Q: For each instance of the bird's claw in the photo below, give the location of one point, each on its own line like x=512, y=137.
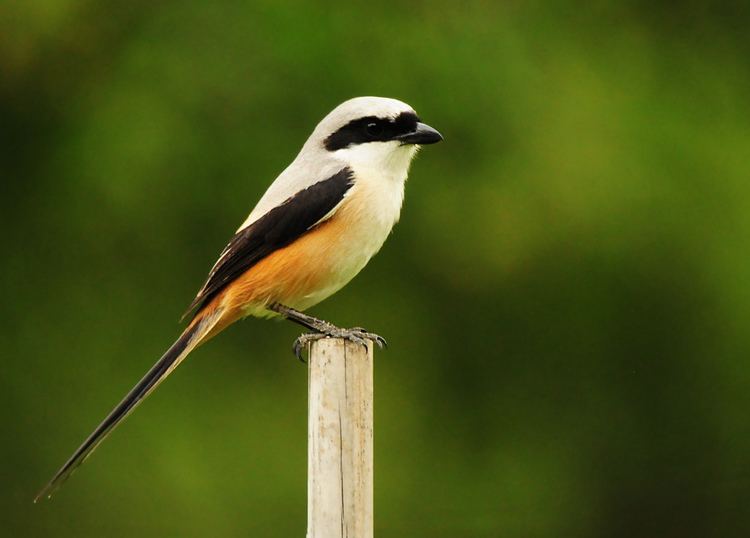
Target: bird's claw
x=301, y=343
x=357, y=335
x=364, y=333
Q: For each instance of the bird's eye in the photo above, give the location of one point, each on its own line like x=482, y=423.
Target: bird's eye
x=374, y=129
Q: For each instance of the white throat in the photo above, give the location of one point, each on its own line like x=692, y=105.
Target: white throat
x=389, y=160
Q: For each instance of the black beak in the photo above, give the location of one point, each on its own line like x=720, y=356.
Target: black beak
x=423, y=134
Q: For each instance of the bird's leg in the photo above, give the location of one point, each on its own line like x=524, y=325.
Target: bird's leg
x=323, y=329
x=310, y=322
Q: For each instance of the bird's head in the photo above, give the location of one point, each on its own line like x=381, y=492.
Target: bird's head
x=373, y=132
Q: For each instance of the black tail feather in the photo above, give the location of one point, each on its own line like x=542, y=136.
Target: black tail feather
x=157, y=373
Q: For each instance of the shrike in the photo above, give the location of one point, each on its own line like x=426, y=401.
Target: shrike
x=311, y=232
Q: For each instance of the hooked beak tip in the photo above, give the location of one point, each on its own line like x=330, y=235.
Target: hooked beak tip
x=422, y=135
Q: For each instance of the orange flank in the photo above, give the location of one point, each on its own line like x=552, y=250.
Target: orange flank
x=290, y=276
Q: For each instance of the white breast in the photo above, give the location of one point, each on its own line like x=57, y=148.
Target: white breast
x=364, y=220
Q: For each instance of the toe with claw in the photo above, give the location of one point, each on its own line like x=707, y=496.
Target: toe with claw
x=364, y=333
x=357, y=335
x=303, y=341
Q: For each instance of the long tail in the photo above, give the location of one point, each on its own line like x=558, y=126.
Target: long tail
x=193, y=335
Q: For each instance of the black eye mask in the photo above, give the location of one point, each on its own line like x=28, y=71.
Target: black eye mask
x=372, y=129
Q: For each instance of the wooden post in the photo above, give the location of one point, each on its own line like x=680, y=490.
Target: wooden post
x=340, y=453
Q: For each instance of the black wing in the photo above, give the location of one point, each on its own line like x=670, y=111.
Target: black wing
x=274, y=230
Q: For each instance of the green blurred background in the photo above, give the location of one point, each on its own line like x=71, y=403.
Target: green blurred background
x=567, y=295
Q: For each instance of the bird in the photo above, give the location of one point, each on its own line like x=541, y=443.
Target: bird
x=316, y=226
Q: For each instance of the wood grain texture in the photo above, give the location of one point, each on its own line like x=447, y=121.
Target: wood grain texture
x=340, y=440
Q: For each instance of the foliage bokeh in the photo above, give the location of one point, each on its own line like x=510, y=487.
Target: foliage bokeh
x=566, y=295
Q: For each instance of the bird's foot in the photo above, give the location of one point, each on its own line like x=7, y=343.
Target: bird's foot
x=357, y=335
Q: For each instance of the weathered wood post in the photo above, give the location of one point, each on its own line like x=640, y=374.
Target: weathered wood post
x=340, y=446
